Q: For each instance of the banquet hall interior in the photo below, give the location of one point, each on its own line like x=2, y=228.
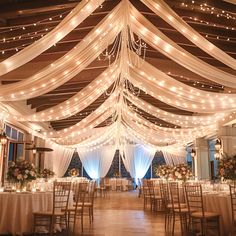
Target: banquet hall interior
x=118, y=117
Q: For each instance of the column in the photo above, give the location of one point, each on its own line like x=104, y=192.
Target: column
x=202, y=163
x=227, y=136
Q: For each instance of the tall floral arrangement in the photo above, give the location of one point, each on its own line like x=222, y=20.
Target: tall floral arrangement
x=178, y=172
x=227, y=167
x=21, y=172
x=163, y=171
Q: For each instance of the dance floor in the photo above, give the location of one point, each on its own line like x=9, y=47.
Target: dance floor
x=122, y=214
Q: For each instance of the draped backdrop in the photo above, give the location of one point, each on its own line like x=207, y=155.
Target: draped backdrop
x=98, y=161
x=137, y=159
x=59, y=159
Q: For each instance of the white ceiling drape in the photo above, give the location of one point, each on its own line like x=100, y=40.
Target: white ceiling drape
x=166, y=13
x=71, y=21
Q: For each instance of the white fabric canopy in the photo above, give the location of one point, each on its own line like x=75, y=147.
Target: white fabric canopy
x=97, y=162
x=72, y=20
x=59, y=159
x=154, y=37
x=137, y=159
x=166, y=13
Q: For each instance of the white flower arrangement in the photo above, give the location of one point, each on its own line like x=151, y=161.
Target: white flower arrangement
x=178, y=172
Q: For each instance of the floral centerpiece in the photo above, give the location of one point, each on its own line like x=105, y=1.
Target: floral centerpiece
x=179, y=172
x=163, y=171
x=73, y=172
x=46, y=173
x=21, y=172
x=227, y=168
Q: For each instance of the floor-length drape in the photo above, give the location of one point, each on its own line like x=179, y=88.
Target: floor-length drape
x=98, y=161
x=137, y=159
x=59, y=159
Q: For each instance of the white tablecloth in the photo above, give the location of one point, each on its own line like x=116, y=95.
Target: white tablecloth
x=220, y=203
x=16, y=210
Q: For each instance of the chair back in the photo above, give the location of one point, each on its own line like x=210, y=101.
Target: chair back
x=150, y=186
x=91, y=191
x=80, y=192
x=233, y=201
x=176, y=195
x=164, y=192
x=119, y=182
x=61, y=193
x=194, y=198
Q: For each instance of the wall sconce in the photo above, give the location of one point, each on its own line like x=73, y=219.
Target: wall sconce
x=3, y=138
x=218, y=149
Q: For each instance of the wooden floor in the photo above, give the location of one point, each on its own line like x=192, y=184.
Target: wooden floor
x=122, y=214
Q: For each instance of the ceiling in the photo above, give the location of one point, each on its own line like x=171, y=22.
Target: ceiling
x=24, y=21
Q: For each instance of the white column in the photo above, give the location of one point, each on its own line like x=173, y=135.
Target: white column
x=202, y=163
x=228, y=138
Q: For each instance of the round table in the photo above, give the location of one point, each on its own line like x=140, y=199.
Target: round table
x=16, y=210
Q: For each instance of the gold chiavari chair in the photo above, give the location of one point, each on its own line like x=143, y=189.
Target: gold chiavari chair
x=155, y=199
x=165, y=201
x=146, y=195
x=118, y=184
x=103, y=188
x=233, y=207
x=61, y=193
x=77, y=211
x=198, y=216
x=89, y=200
x=178, y=207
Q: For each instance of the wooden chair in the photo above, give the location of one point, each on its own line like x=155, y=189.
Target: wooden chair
x=146, y=195
x=165, y=201
x=89, y=201
x=118, y=184
x=233, y=206
x=61, y=192
x=77, y=211
x=103, y=188
x=155, y=199
x=198, y=215
x=178, y=207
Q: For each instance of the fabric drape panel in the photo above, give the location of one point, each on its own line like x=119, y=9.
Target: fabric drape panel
x=162, y=131
x=166, y=13
x=105, y=110
x=71, y=21
x=177, y=94
x=154, y=37
x=174, y=159
x=97, y=162
x=137, y=159
x=159, y=139
x=59, y=159
x=182, y=102
x=79, y=101
x=181, y=120
x=68, y=65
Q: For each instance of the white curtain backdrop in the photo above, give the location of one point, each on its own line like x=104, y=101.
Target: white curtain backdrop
x=174, y=159
x=98, y=161
x=137, y=159
x=59, y=159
